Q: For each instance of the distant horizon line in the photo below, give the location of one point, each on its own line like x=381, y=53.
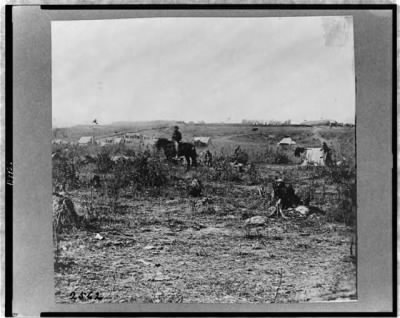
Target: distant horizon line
x=249, y=121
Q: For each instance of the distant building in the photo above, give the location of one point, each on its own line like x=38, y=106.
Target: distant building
x=105, y=141
x=322, y=122
x=274, y=123
x=86, y=140
x=59, y=142
x=133, y=137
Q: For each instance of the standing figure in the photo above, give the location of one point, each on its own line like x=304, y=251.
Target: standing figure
x=208, y=158
x=280, y=196
x=327, y=154
x=176, y=137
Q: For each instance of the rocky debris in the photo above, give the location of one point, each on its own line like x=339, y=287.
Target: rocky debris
x=303, y=210
x=171, y=202
x=145, y=262
x=206, y=209
x=229, y=207
x=215, y=231
x=198, y=226
x=156, y=277
x=99, y=237
x=207, y=264
x=271, y=210
x=203, y=201
x=255, y=221
x=204, y=206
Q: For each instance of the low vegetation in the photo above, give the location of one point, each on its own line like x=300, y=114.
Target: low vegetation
x=139, y=235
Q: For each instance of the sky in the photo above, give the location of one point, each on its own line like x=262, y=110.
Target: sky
x=223, y=69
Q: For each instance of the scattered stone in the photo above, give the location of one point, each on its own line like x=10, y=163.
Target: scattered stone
x=303, y=245
x=144, y=262
x=230, y=207
x=215, y=230
x=156, y=277
x=206, y=209
x=160, y=277
x=271, y=210
x=314, y=217
x=202, y=202
x=255, y=220
x=303, y=210
x=198, y=226
x=169, y=233
x=99, y=237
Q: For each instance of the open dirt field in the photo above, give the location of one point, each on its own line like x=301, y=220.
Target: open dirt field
x=160, y=245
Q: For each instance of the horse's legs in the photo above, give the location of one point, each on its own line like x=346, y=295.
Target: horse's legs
x=194, y=162
x=187, y=162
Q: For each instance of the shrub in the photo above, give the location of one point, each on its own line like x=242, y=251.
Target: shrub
x=104, y=163
x=65, y=173
x=254, y=176
x=223, y=171
x=148, y=171
x=281, y=158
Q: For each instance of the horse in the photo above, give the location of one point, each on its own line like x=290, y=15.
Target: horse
x=185, y=149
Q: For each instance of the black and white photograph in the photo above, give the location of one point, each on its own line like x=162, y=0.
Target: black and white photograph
x=204, y=160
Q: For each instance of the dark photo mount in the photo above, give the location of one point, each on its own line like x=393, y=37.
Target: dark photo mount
x=28, y=191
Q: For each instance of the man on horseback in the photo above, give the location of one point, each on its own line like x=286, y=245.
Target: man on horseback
x=176, y=137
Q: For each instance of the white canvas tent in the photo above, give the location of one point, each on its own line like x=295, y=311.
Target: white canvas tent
x=202, y=141
x=287, y=141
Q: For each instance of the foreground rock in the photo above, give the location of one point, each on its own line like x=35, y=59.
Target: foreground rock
x=255, y=221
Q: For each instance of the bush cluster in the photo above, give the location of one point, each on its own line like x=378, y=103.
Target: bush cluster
x=144, y=170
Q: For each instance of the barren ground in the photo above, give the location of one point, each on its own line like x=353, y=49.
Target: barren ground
x=173, y=248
